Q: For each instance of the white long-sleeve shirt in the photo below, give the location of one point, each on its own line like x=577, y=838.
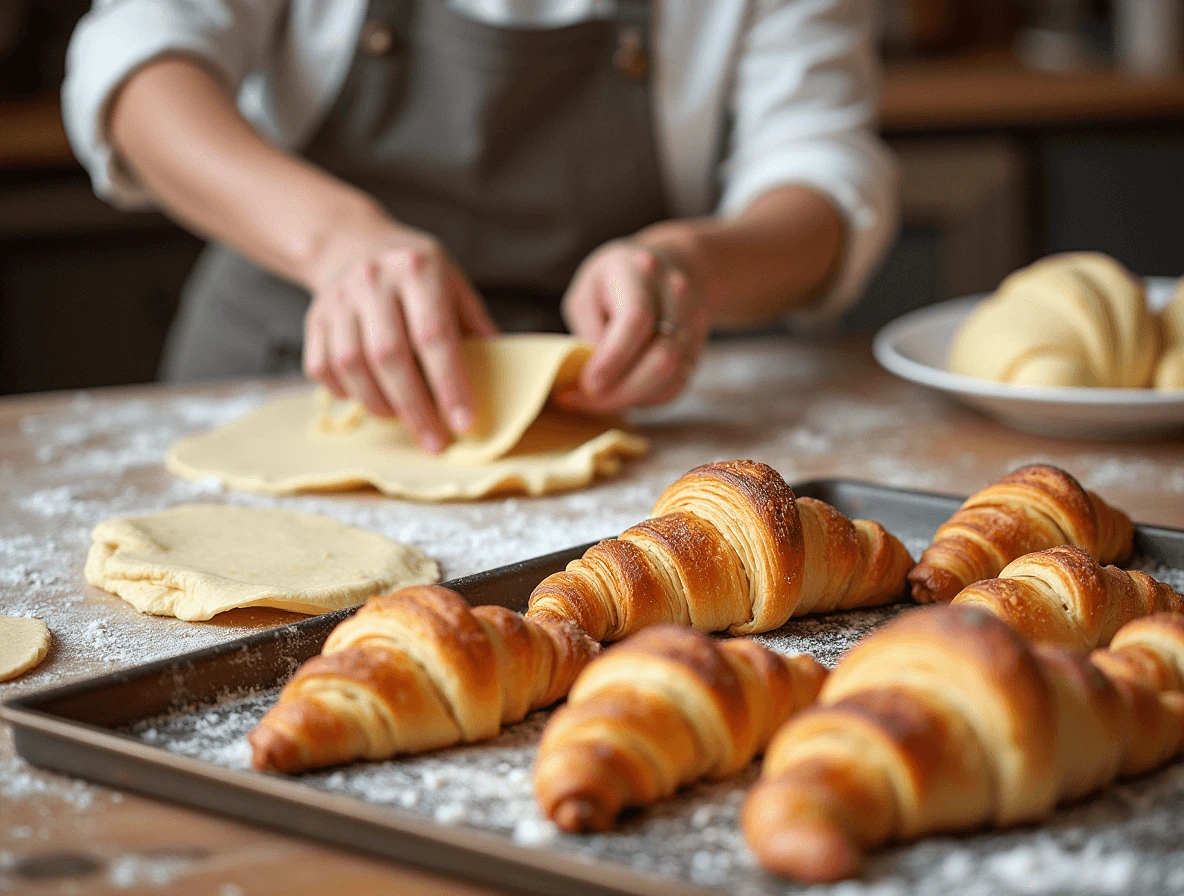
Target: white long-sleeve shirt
x=749, y=95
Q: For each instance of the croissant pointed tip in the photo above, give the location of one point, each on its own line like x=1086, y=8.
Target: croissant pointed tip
x=578, y=815
x=274, y=750
x=931, y=584
x=811, y=852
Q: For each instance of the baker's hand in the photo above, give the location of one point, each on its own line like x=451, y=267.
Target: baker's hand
x=645, y=314
x=385, y=324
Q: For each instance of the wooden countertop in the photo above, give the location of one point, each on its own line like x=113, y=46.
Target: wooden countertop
x=976, y=91
x=68, y=461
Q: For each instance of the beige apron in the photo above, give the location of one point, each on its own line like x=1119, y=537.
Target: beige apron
x=521, y=149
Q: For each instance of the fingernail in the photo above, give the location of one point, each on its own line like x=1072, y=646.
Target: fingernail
x=432, y=443
x=462, y=420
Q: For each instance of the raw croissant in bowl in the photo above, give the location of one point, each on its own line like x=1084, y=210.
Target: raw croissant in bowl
x=1031, y=509
x=663, y=708
x=417, y=670
x=728, y=547
x=946, y=719
x=1169, y=370
x=1063, y=596
x=1078, y=319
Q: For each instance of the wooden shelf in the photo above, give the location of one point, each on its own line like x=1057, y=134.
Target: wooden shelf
x=32, y=134
x=985, y=90
x=991, y=90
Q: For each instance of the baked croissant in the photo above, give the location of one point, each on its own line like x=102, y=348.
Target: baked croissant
x=1169, y=369
x=663, y=708
x=1032, y=509
x=417, y=670
x=728, y=547
x=1063, y=596
x=1148, y=651
x=1077, y=319
x=946, y=719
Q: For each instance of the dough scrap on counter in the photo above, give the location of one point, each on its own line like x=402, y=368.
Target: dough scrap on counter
x=198, y=560
x=24, y=642
x=304, y=442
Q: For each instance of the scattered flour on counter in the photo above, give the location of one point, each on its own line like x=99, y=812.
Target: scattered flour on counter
x=18, y=781
x=1103, y=471
x=761, y=364
x=110, y=437
x=132, y=870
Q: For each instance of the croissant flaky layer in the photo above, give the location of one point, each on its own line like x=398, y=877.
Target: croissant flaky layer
x=663, y=708
x=947, y=719
x=417, y=670
x=1032, y=509
x=1063, y=596
x=728, y=547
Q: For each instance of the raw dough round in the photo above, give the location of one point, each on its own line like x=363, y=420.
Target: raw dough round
x=23, y=644
x=301, y=442
x=198, y=560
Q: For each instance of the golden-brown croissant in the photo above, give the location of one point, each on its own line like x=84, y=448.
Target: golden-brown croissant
x=728, y=547
x=1149, y=651
x=1032, y=509
x=663, y=708
x=947, y=719
x=417, y=670
x=1063, y=596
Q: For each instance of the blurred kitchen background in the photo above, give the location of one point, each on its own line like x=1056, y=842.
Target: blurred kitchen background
x=1023, y=128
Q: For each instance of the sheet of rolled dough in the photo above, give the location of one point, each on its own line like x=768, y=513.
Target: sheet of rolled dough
x=24, y=642
x=298, y=444
x=512, y=378
x=198, y=560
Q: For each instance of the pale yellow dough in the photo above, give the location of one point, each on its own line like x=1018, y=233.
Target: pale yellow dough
x=1169, y=372
x=1078, y=319
x=303, y=442
x=23, y=644
x=198, y=560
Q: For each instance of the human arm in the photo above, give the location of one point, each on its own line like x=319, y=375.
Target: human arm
x=388, y=303
x=692, y=275
x=808, y=200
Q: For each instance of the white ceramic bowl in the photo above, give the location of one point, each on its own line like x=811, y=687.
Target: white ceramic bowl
x=917, y=345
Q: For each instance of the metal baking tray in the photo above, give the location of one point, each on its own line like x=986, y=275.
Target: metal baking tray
x=97, y=730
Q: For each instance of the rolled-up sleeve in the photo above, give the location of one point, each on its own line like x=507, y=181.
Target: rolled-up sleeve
x=117, y=37
x=803, y=111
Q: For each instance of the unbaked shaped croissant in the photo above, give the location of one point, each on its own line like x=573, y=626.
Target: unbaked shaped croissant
x=1169, y=369
x=728, y=547
x=663, y=708
x=417, y=670
x=947, y=719
x=1031, y=509
x=1077, y=319
x=1063, y=596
